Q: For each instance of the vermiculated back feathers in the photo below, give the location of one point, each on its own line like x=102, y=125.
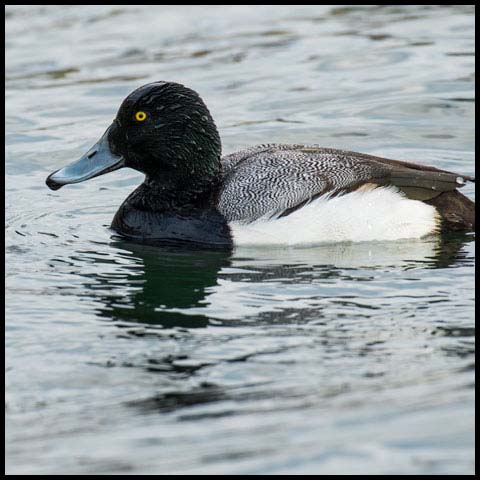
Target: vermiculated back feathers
x=272, y=179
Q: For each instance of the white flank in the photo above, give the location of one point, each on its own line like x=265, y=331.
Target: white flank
x=381, y=213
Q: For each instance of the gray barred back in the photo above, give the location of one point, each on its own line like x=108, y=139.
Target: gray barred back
x=270, y=179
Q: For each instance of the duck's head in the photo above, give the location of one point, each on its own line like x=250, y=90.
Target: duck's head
x=162, y=129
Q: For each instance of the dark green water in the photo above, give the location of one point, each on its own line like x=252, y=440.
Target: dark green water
x=347, y=358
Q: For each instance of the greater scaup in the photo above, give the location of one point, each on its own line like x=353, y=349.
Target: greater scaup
x=267, y=194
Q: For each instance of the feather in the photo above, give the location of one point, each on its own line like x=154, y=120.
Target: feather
x=276, y=180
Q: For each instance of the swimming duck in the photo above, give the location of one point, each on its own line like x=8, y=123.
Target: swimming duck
x=267, y=194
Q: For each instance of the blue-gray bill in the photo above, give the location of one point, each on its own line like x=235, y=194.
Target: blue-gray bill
x=97, y=161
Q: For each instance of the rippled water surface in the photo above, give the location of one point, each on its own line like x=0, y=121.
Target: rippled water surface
x=347, y=358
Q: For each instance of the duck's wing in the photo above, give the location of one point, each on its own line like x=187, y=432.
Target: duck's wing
x=274, y=180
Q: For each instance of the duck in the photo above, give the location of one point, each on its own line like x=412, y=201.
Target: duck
x=269, y=194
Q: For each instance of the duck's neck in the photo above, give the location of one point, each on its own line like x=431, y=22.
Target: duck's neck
x=173, y=194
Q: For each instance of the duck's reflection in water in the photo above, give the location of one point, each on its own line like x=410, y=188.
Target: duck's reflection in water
x=339, y=290
x=171, y=287
x=157, y=280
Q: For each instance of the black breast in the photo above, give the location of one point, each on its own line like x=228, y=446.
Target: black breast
x=199, y=227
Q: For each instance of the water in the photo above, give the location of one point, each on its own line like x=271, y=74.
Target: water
x=335, y=359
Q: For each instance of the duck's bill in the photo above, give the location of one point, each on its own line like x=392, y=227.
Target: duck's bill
x=97, y=161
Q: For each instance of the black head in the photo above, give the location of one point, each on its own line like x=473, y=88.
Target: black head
x=162, y=129
x=165, y=126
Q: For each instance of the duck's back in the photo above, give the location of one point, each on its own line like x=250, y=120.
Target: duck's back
x=325, y=193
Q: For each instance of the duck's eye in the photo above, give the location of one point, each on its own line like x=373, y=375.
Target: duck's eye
x=140, y=116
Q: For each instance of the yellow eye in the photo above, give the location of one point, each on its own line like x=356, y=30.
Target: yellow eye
x=140, y=116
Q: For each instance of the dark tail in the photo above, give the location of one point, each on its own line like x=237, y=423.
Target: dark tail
x=457, y=211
